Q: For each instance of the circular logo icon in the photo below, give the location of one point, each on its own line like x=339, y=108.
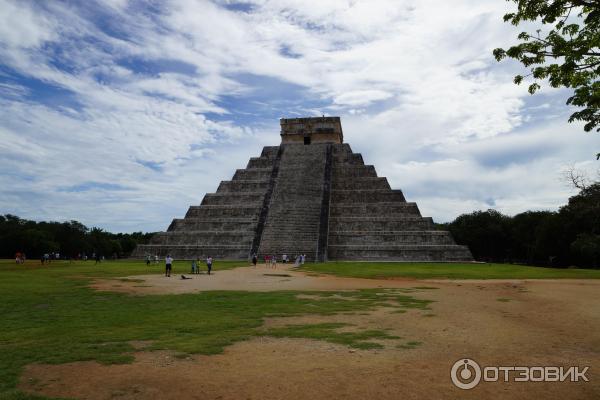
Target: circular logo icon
x=465, y=373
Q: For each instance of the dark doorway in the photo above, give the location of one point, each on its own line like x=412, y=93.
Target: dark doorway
x=307, y=140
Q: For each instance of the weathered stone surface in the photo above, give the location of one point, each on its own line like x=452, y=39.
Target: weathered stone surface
x=313, y=197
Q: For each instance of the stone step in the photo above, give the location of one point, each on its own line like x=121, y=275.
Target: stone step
x=387, y=237
x=205, y=211
x=366, y=196
x=380, y=224
x=374, y=209
x=360, y=183
x=348, y=159
x=257, y=174
x=341, y=171
x=234, y=198
x=216, y=224
x=270, y=152
x=260, y=162
x=241, y=186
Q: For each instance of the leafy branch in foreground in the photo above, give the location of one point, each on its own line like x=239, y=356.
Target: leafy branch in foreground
x=568, y=55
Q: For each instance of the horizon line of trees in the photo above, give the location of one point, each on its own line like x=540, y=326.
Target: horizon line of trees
x=70, y=239
x=563, y=238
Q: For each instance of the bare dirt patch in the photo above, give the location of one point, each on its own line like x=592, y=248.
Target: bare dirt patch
x=258, y=279
x=543, y=323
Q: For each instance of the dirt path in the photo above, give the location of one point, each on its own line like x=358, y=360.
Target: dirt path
x=511, y=322
x=252, y=279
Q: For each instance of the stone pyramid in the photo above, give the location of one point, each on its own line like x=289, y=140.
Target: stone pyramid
x=310, y=195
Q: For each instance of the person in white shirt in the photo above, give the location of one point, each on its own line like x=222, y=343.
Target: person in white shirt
x=209, y=262
x=168, y=265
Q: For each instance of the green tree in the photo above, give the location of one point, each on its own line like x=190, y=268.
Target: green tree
x=524, y=231
x=586, y=249
x=486, y=233
x=567, y=53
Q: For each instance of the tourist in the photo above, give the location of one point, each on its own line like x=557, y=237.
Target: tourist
x=197, y=265
x=298, y=261
x=254, y=259
x=98, y=258
x=147, y=260
x=168, y=265
x=303, y=258
x=267, y=261
x=273, y=262
x=194, y=266
x=156, y=259
x=209, y=262
x=284, y=259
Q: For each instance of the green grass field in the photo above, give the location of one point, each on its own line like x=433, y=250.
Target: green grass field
x=446, y=271
x=50, y=315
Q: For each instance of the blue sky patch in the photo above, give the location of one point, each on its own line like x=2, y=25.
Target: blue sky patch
x=87, y=186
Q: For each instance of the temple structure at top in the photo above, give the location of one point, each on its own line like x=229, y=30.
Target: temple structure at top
x=310, y=195
x=311, y=130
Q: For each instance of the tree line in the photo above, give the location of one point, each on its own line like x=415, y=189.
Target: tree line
x=69, y=239
x=568, y=237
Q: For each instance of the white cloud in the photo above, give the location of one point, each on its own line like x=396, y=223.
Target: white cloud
x=414, y=81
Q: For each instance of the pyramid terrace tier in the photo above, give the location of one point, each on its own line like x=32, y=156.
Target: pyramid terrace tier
x=366, y=196
x=243, y=186
x=360, y=183
x=375, y=210
x=395, y=252
x=213, y=224
x=259, y=174
x=224, y=211
x=390, y=237
x=233, y=198
x=341, y=171
x=203, y=237
x=380, y=223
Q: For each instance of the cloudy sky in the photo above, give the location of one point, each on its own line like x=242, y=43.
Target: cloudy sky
x=121, y=114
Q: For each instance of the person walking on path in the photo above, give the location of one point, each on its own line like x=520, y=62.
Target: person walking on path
x=147, y=260
x=273, y=261
x=209, y=262
x=194, y=266
x=168, y=265
x=254, y=259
